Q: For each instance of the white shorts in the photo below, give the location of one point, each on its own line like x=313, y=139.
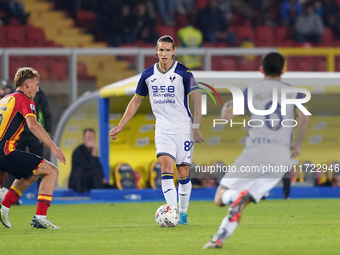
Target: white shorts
x=178, y=147
x=257, y=184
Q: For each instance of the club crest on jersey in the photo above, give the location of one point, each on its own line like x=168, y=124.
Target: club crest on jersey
x=32, y=108
x=172, y=78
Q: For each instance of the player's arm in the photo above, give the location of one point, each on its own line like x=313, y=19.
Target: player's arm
x=197, y=97
x=227, y=111
x=41, y=134
x=301, y=131
x=130, y=111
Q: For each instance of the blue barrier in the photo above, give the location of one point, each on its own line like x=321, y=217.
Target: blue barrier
x=209, y=193
x=150, y=195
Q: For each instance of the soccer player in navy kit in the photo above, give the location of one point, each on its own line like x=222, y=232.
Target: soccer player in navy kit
x=269, y=144
x=168, y=84
x=15, y=110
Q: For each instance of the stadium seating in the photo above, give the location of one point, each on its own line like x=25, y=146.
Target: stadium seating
x=83, y=72
x=337, y=64
x=58, y=70
x=264, y=36
x=35, y=37
x=167, y=30
x=181, y=20
x=243, y=32
x=284, y=36
x=16, y=62
x=291, y=63
x=222, y=63
x=328, y=37
x=53, y=28
x=304, y=64
x=15, y=36
x=319, y=64
x=85, y=18
x=246, y=65
x=201, y=4
x=155, y=175
x=149, y=60
x=40, y=64
x=125, y=177
x=2, y=37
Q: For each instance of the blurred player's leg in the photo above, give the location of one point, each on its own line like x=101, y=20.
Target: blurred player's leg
x=230, y=222
x=184, y=192
x=168, y=186
x=225, y=196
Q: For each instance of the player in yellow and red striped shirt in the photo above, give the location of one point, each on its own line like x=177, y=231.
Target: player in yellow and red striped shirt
x=15, y=110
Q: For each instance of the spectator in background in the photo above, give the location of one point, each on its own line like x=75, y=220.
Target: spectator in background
x=336, y=180
x=225, y=8
x=242, y=8
x=330, y=16
x=87, y=172
x=190, y=37
x=213, y=25
x=289, y=11
x=308, y=26
x=247, y=43
x=331, y=182
x=203, y=178
x=261, y=14
x=122, y=27
x=5, y=88
x=167, y=9
x=14, y=9
x=145, y=24
x=318, y=8
x=185, y=6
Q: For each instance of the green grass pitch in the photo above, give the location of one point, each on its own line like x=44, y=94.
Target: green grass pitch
x=270, y=227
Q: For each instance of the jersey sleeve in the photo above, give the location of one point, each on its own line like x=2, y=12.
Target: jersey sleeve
x=189, y=82
x=27, y=108
x=142, y=88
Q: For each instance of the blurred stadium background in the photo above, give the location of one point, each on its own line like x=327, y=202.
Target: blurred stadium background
x=89, y=54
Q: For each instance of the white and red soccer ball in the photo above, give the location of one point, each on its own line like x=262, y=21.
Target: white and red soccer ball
x=167, y=216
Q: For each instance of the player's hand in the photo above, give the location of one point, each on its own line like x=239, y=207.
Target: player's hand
x=3, y=176
x=114, y=132
x=58, y=153
x=296, y=150
x=94, y=151
x=198, y=138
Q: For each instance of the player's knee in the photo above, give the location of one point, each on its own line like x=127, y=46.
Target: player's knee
x=53, y=170
x=218, y=200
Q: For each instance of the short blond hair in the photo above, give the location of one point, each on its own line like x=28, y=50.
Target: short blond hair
x=23, y=74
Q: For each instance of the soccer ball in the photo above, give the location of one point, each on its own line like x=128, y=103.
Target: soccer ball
x=167, y=216
x=3, y=192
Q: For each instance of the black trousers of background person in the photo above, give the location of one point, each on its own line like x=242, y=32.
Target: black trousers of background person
x=34, y=145
x=286, y=185
x=82, y=180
